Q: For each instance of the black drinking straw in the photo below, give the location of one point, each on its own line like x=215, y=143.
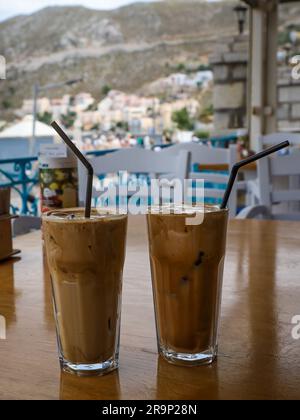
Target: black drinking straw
x=245, y=162
x=85, y=162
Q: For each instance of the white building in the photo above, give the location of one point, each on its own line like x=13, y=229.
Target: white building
x=43, y=105
x=82, y=101
x=15, y=140
x=131, y=109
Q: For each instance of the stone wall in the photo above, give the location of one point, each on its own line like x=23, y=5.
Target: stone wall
x=288, y=100
x=230, y=64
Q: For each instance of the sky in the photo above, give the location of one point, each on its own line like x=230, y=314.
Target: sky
x=9, y=8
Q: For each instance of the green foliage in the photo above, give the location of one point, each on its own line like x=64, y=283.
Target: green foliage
x=207, y=113
x=293, y=27
x=180, y=67
x=284, y=37
x=202, y=134
x=68, y=119
x=6, y=104
x=92, y=107
x=46, y=117
x=123, y=125
x=95, y=127
x=105, y=90
x=204, y=67
x=183, y=120
x=183, y=68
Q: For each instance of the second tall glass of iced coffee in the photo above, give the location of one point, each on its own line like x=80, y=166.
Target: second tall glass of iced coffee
x=86, y=258
x=187, y=263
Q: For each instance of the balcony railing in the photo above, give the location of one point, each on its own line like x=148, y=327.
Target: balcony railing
x=21, y=175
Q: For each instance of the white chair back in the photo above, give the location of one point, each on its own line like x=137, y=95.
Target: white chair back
x=135, y=160
x=275, y=138
x=205, y=155
x=279, y=185
x=293, y=181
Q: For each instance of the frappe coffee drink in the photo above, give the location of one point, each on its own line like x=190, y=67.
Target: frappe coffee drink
x=86, y=258
x=187, y=270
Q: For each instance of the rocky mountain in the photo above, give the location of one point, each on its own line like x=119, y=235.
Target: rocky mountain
x=124, y=48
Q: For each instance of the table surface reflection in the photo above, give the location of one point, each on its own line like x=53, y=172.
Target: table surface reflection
x=258, y=356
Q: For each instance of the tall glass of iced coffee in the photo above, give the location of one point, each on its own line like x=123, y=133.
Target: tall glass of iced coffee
x=86, y=258
x=187, y=272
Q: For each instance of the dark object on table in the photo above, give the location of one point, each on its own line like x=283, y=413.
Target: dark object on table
x=6, y=245
x=4, y=200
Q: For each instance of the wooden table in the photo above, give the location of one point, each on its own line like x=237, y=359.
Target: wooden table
x=258, y=356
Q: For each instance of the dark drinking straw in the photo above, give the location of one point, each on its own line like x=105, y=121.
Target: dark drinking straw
x=245, y=162
x=85, y=162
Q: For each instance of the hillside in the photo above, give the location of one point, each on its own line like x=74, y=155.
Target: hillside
x=123, y=48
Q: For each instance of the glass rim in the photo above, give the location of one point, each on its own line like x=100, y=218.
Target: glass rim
x=214, y=209
x=103, y=214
